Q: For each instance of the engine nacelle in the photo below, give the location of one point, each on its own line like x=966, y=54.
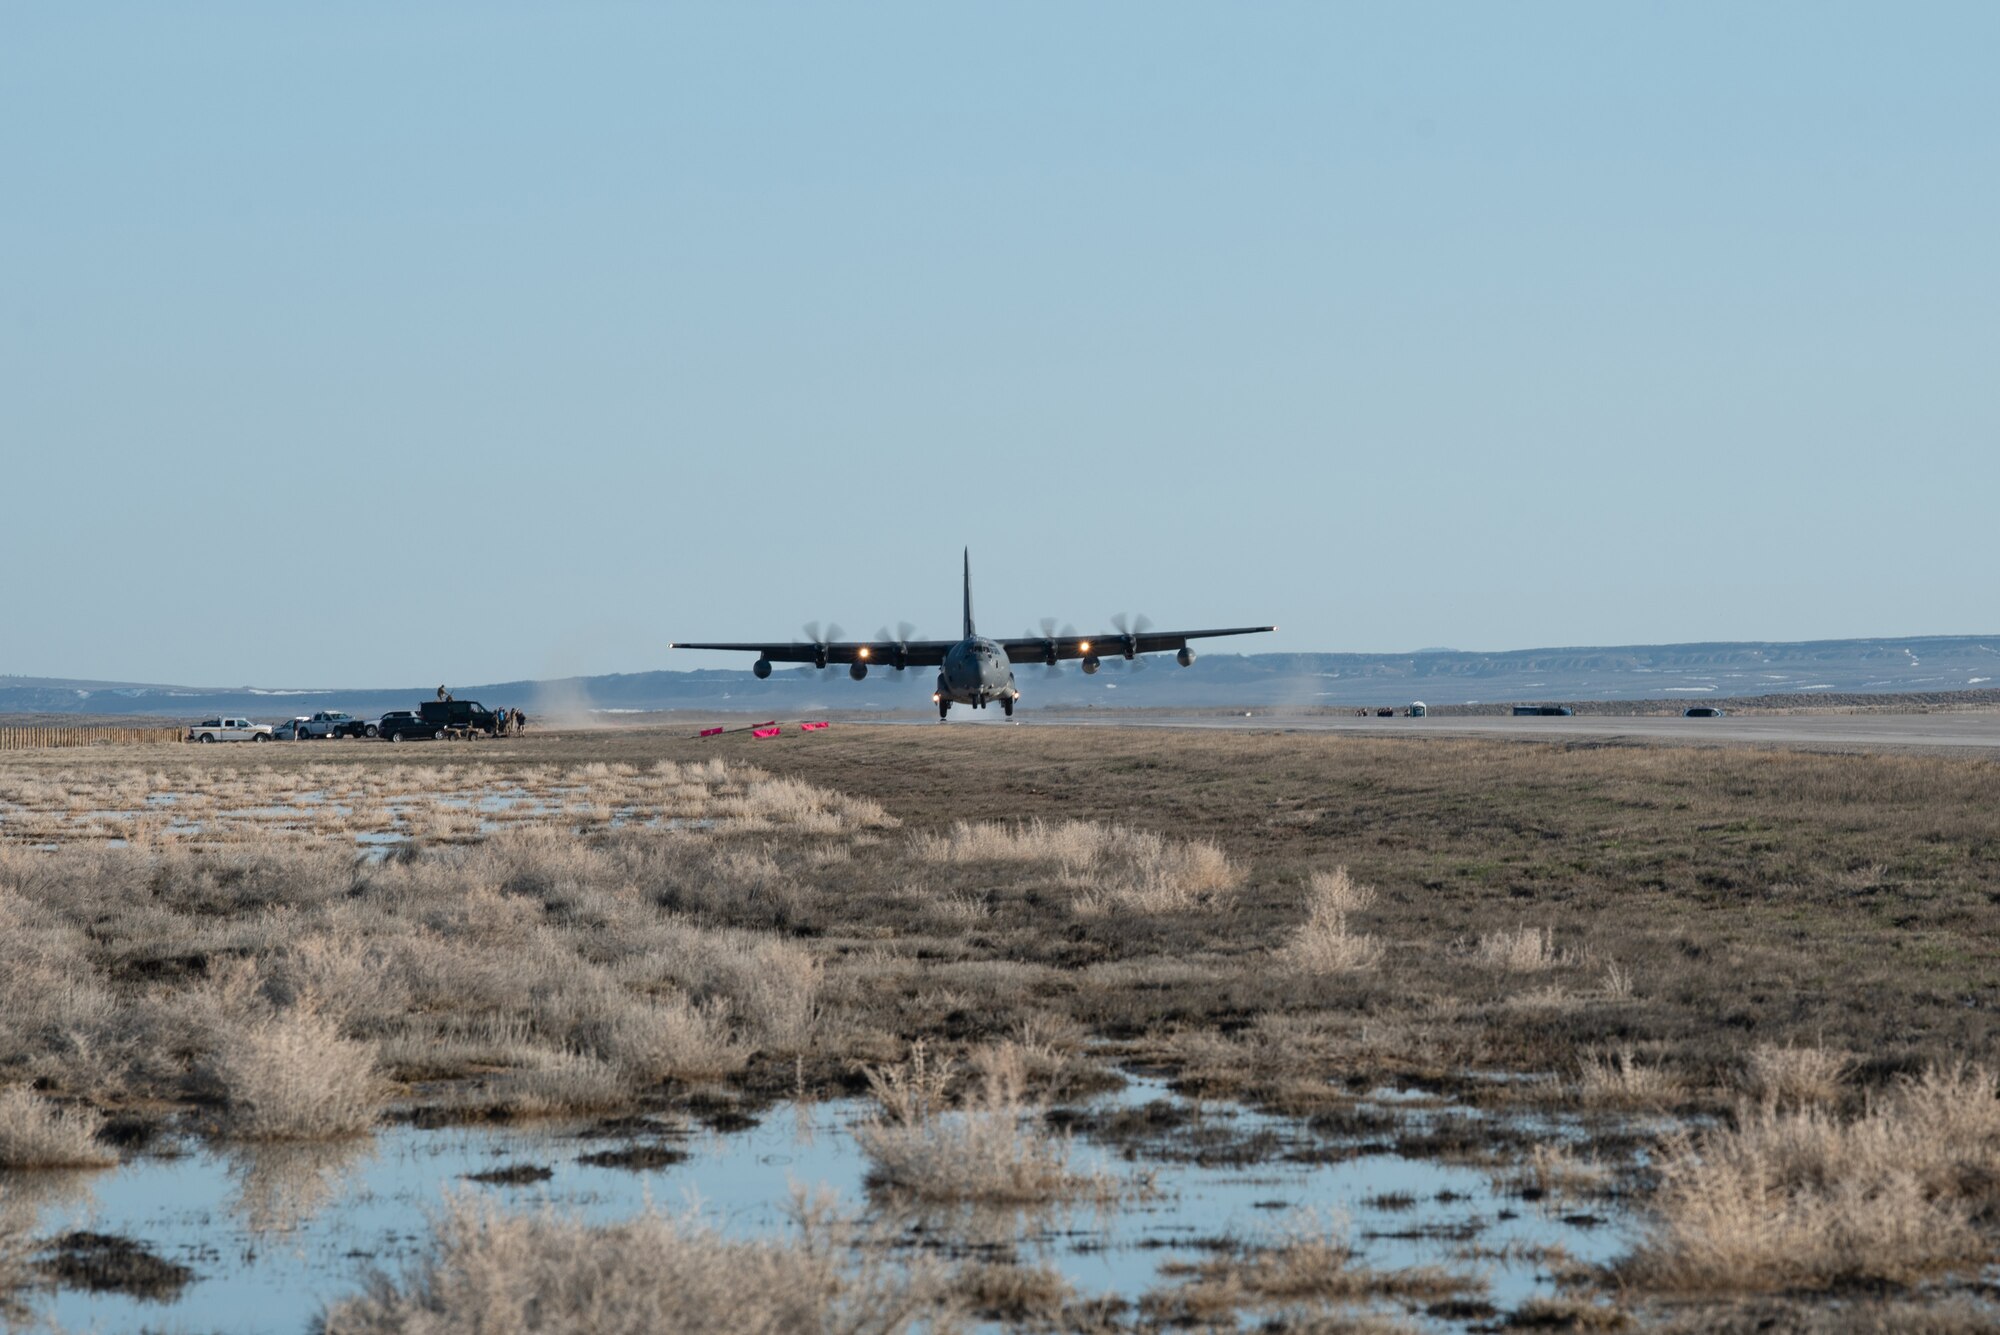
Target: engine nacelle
x=1090, y=665
x=762, y=667
x=857, y=670
x=1185, y=657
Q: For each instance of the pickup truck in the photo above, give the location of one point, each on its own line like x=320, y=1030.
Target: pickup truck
x=332, y=723
x=229, y=730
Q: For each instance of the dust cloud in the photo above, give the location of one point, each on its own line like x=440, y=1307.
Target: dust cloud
x=564, y=703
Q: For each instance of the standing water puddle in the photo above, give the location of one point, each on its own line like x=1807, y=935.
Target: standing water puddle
x=273, y=1233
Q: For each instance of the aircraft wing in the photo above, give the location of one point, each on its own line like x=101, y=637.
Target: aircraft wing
x=1112, y=643
x=875, y=653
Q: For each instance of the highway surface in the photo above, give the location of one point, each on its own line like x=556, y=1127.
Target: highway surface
x=1968, y=730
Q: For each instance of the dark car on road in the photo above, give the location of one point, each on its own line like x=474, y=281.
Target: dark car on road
x=1543, y=711
x=405, y=725
x=1701, y=711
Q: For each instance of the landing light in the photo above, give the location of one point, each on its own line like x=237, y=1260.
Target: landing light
x=864, y=651
x=935, y=697
x=1085, y=646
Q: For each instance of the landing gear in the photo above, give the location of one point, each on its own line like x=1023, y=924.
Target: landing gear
x=944, y=707
x=1008, y=706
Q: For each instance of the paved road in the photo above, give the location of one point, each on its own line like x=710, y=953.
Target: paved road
x=1977, y=731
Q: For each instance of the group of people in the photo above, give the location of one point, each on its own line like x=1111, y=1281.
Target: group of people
x=505, y=720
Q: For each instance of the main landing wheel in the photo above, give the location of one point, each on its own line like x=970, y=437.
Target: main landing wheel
x=944, y=708
x=1008, y=706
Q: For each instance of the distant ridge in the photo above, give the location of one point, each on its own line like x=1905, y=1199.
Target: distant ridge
x=1927, y=664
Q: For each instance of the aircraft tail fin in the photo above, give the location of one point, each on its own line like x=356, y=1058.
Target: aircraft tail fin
x=968, y=593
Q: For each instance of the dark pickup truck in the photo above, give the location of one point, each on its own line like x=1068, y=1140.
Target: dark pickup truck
x=459, y=716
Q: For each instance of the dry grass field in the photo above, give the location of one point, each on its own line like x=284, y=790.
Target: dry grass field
x=1766, y=982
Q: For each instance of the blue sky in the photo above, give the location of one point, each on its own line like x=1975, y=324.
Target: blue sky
x=388, y=344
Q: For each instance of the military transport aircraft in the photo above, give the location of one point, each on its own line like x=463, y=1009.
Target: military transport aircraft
x=975, y=670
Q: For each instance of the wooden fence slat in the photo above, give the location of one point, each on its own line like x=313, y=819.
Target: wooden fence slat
x=29, y=739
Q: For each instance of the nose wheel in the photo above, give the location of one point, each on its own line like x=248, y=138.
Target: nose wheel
x=944, y=707
x=1008, y=706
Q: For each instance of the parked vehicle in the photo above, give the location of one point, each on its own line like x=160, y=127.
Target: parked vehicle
x=1701, y=711
x=404, y=725
x=1543, y=711
x=291, y=730
x=463, y=716
x=333, y=723
x=229, y=730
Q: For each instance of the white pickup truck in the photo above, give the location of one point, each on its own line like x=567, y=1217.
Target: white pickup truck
x=332, y=723
x=229, y=730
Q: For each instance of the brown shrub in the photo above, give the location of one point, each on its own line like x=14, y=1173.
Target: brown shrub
x=1794, y=1076
x=1800, y=1198
x=488, y=1270
x=1519, y=950
x=36, y=1133
x=1106, y=867
x=1324, y=943
x=289, y=1075
x=991, y=1150
x=1621, y=1080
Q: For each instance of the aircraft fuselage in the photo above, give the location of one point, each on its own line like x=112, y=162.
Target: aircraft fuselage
x=976, y=671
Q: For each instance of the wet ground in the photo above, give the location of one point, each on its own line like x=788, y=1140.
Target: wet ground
x=272, y=1233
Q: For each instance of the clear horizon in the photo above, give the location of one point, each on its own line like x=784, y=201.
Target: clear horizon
x=490, y=343
x=723, y=661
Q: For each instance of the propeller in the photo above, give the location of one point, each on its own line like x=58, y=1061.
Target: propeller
x=899, y=643
x=1130, y=628
x=813, y=637
x=1049, y=636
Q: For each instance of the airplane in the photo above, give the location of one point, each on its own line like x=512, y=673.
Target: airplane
x=975, y=670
